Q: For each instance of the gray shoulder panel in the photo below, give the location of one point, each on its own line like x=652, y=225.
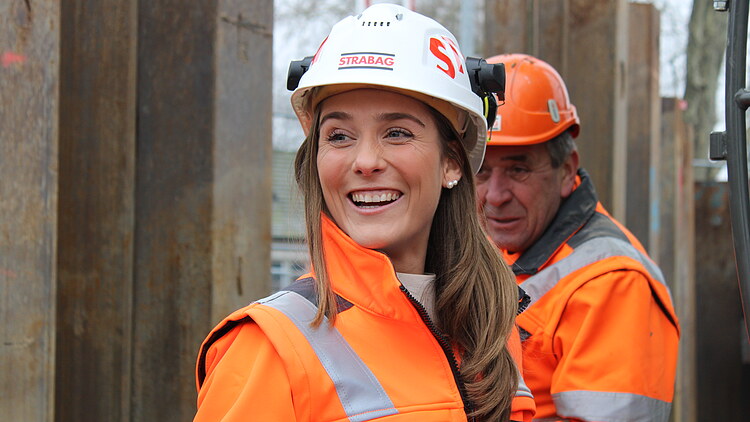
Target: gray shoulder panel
x=361, y=394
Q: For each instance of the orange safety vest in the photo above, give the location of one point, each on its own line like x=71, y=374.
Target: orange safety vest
x=600, y=335
x=382, y=359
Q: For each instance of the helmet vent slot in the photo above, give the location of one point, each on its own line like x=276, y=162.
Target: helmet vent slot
x=376, y=23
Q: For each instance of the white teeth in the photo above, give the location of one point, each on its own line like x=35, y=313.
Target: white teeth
x=367, y=197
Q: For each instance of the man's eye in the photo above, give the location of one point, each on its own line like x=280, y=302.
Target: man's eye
x=518, y=170
x=483, y=174
x=517, y=173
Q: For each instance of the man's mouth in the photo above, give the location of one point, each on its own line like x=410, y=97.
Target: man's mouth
x=373, y=199
x=502, y=221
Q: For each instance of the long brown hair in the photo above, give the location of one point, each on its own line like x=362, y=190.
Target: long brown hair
x=476, y=295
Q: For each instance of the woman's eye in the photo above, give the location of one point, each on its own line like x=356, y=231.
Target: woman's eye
x=398, y=134
x=337, y=137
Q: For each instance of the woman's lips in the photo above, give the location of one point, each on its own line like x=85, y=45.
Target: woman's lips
x=374, y=198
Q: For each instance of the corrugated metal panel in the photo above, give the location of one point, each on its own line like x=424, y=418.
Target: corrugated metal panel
x=288, y=218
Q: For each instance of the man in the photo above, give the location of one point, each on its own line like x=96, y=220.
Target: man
x=600, y=335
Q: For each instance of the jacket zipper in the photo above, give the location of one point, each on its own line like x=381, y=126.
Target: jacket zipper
x=523, y=300
x=447, y=349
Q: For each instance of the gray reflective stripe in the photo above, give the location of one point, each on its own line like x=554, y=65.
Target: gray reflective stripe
x=359, y=391
x=550, y=420
x=523, y=389
x=610, y=407
x=587, y=253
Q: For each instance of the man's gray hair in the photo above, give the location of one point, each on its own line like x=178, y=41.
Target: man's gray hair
x=560, y=148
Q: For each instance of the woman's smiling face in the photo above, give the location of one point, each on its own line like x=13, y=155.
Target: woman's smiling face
x=382, y=169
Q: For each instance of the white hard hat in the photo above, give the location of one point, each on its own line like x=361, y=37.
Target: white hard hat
x=391, y=47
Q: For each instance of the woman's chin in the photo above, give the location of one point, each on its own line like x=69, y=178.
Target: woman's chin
x=370, y=242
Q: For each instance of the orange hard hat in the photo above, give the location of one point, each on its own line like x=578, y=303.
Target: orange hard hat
x=537, y=107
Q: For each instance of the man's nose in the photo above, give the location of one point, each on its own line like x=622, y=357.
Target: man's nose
x=498, y=187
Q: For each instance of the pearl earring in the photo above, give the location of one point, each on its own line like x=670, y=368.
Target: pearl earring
x=452, y=183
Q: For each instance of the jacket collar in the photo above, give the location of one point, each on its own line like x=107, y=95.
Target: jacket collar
x=573, y=213
x=364, y=277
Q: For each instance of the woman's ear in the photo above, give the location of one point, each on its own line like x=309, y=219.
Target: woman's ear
x=451, y=169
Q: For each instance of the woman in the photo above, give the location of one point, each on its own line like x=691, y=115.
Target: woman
x=409, y=309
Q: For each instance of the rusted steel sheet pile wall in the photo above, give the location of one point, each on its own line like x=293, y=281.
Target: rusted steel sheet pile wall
x=158, y=116
x=29, y=108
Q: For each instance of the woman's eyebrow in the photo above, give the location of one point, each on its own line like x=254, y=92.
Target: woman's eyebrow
x=340, y=115
x=399, y=116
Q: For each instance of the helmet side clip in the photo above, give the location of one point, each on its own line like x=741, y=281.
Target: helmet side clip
x=297, y=68
x=487, y=79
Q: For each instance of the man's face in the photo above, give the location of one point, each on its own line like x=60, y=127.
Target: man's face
x=520, y=192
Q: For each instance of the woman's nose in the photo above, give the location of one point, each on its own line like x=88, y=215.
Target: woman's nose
x=368, y=158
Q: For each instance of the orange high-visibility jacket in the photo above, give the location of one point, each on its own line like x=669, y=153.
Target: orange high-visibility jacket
x=600, y=334
x=380, y=361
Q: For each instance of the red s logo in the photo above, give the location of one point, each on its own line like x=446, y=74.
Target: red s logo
x=438, y=49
